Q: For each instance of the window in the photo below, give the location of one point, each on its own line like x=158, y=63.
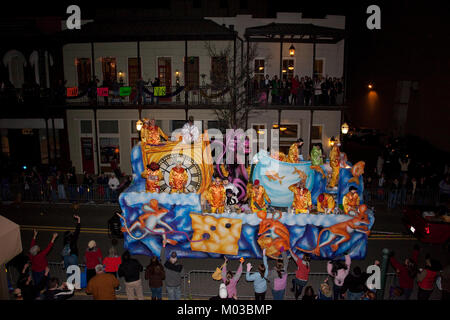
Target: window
x=86, y=126
x=83, y=71
x=109, y=150
x=259, y=69
x=133, y=71
x=193, y=76
x=219, y=72
x=288, y=131
x=288, y=68
x=316, y=133
x=260, y=136
x=109, y=69
x=177, y=124
x=319, y=67
x=108, y=126
x=165, y=72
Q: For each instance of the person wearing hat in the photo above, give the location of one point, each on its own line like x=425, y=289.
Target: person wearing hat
x=258, y=197
x=325, y=203
x=302, y=197
x=294, y=152
x=190, y=132
x=152, y=177
x=174, y=272
x=151, y=133
x=93, y=256
x=350, y=202
x=178, y=178
x=216, y=196
x=38, y=258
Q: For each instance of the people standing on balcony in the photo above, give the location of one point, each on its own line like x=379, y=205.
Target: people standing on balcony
x=115, y=87
x=339, y=92
x=265, y=85
x=332, y=91
x=309, y=91
x=301, y=92
x=295, y=84
x=140, y=86
x=274, y=86
x=324, y=89
x=92, y=90
x=156, y=83
x=317, y=90
x=106, y=84
x=286, y=91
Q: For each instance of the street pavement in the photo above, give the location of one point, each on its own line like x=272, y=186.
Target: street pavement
x=388, y=232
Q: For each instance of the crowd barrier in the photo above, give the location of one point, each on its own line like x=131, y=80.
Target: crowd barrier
x=100, y=193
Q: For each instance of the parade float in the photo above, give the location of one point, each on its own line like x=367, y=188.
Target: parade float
x=333, y=221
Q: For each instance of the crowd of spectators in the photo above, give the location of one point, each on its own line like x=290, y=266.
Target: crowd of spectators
x=54, y=185
x=398, y=180
x=298, y=91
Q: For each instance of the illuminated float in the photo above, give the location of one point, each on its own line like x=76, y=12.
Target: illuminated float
x=194, y=232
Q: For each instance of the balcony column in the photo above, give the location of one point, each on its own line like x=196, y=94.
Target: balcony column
x=311, y=119
x=313, y=71
x=186, y=100
x=281, y=57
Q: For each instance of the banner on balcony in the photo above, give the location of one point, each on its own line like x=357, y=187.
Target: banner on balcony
x=102, y=92
x=72, y=92
x=125, y=91
x=159, y=91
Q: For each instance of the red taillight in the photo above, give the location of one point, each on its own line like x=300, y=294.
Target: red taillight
x=427, y=230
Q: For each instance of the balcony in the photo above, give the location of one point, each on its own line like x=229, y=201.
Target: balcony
x=36, y=100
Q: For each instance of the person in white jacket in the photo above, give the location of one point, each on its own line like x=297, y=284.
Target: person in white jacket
x=113, y=184
x=190, y=132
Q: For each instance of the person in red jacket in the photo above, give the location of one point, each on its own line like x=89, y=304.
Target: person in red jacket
x=93, y=256
x=406, y=272
x=427, y=277
x=302, y=273
x=38, y=258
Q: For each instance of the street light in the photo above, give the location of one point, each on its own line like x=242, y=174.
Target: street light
x=344, y=128
x=292, y=50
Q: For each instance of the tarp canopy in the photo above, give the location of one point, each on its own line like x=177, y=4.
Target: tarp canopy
x=11, y=243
